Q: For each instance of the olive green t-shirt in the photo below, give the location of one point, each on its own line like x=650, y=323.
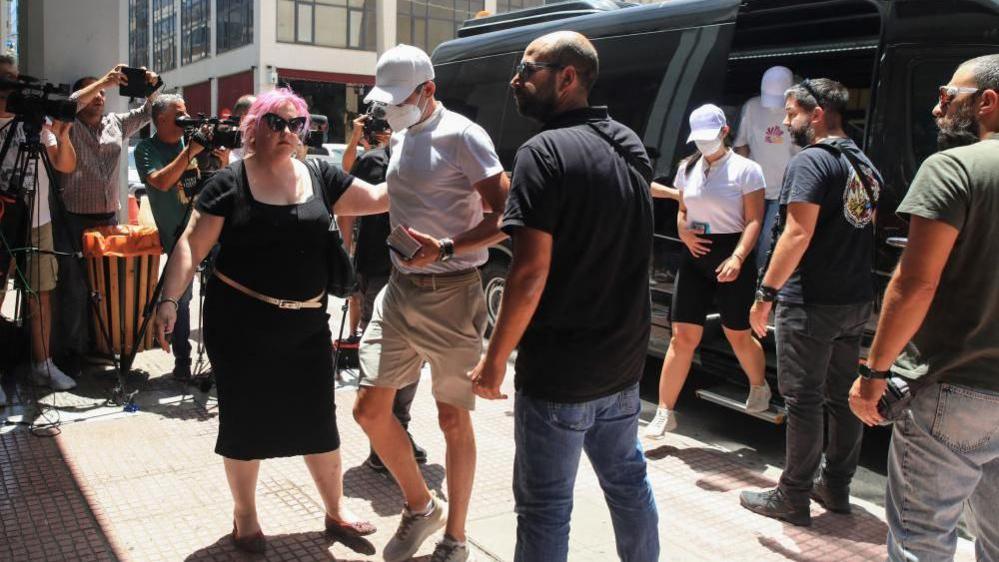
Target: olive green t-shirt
x=168, y=206
x=958, y=342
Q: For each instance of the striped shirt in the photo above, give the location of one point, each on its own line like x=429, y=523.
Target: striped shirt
x=93, y=187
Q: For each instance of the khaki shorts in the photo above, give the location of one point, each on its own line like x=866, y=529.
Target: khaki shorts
x=42, y=270
x=439, y=319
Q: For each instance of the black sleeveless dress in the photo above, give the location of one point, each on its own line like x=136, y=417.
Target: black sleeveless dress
x=273, y=367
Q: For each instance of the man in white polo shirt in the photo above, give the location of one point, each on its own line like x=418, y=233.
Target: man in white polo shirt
x=446, y=186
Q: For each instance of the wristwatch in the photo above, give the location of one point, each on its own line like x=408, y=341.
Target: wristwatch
x=447, y=250
x=867, y=373
x=766, y=294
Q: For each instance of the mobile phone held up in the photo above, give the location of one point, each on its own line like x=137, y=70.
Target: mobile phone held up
x=136, y=87
x=402, y=243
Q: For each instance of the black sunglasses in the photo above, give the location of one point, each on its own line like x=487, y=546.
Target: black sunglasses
x=524, y=70
x=278, y=123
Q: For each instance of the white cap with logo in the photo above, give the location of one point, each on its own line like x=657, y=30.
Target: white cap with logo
x=706, y=123
x=776, y=82
x=400, y=70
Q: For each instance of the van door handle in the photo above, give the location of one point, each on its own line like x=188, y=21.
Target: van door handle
x=897, y=241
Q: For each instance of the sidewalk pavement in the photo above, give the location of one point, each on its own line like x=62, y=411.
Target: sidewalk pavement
x=147, y=486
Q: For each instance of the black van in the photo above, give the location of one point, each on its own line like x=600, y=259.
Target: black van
x=660, y=61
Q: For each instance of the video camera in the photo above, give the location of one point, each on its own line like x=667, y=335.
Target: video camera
x=376, y=122
x=32, y=101
x=219, y=133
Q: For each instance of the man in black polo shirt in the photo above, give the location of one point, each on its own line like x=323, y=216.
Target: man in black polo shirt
x=577, y=302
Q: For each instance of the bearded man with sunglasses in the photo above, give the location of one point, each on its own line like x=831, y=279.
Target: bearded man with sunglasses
x=939, y=331
x=576, y=306
x=447, y=188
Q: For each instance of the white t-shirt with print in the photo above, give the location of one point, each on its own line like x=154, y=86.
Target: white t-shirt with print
x=431, y=177
x=713, y=193
x=41, y=214
x=770, y=146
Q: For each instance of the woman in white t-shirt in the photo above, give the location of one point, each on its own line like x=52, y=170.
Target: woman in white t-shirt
x=720, y=216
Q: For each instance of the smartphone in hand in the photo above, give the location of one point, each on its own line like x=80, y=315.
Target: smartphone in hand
x=402, y=243
x=136, y=87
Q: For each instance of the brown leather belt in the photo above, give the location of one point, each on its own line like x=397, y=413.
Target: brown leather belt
x=315, y=302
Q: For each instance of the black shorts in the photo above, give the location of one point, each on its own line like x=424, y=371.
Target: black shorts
x=697, y=287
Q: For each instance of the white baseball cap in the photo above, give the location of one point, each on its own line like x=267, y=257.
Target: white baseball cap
x=776, y=81
x=400, y=70
x=706, y=123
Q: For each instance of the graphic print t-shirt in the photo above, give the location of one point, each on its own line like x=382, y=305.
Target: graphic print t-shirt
x=837, y=266
x=770, y=146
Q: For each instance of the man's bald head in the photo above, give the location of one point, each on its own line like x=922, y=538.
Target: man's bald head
x=568, y=48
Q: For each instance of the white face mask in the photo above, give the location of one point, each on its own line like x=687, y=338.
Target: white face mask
x=401, y=117
x=708, y=148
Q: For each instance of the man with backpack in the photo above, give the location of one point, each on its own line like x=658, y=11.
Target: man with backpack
x=819, y=274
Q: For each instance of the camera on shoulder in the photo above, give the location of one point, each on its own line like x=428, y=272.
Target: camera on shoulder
x=33, y=100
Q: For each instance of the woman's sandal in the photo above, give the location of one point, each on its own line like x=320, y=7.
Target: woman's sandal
x=351, y=535
x=254, y=544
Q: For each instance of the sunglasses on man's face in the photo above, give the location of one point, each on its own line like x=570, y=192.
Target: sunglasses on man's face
x=525, y=69
x=278, y=123
x=948, y=93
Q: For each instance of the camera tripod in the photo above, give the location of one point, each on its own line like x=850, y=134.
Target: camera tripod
x=31, y=154
x=201, y=375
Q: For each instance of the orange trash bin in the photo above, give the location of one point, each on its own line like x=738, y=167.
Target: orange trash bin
x=123, y=265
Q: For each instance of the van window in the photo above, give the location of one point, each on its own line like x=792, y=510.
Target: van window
x=480, y=90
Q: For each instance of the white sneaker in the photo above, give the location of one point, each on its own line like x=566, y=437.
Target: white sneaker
x=413, y=530
x=664, y=421
x=48, y=374
x=759, y=398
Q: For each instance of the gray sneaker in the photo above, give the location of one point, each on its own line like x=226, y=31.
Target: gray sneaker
x=759, y=398
x=450, y=551
x=413, y=530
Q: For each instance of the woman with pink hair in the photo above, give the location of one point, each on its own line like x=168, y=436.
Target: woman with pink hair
x=266, y=327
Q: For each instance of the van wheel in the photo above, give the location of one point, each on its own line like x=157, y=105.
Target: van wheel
x=493, y=280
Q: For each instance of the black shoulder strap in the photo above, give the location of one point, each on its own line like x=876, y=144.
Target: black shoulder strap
x=630, y=158
x=835, y=149
x=317, y=188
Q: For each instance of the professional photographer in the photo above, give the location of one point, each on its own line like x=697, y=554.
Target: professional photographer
x=163, y=161
x=317, y=136
x=90, y=196
x=371, y=256
x=39, y=270
x=239, y=111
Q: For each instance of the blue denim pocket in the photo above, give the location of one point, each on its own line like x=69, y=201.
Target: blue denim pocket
x=965, y=420
x=629, y=402
x=573, y=417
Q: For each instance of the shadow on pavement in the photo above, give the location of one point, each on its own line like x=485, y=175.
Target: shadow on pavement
x=724, y=470
x=381, y=490
x=312, y=546
x=853, y=533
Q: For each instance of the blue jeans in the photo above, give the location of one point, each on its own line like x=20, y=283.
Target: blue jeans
x=181, y=339
x=549, y=438
x=944, y=455
x=770, y=209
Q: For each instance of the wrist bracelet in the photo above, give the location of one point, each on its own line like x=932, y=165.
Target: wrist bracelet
x=174, y=302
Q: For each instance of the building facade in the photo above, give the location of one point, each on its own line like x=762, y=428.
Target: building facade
x=214, y=51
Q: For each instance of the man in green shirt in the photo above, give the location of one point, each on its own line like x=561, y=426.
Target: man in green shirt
x=162, y=161
x=939, y=330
